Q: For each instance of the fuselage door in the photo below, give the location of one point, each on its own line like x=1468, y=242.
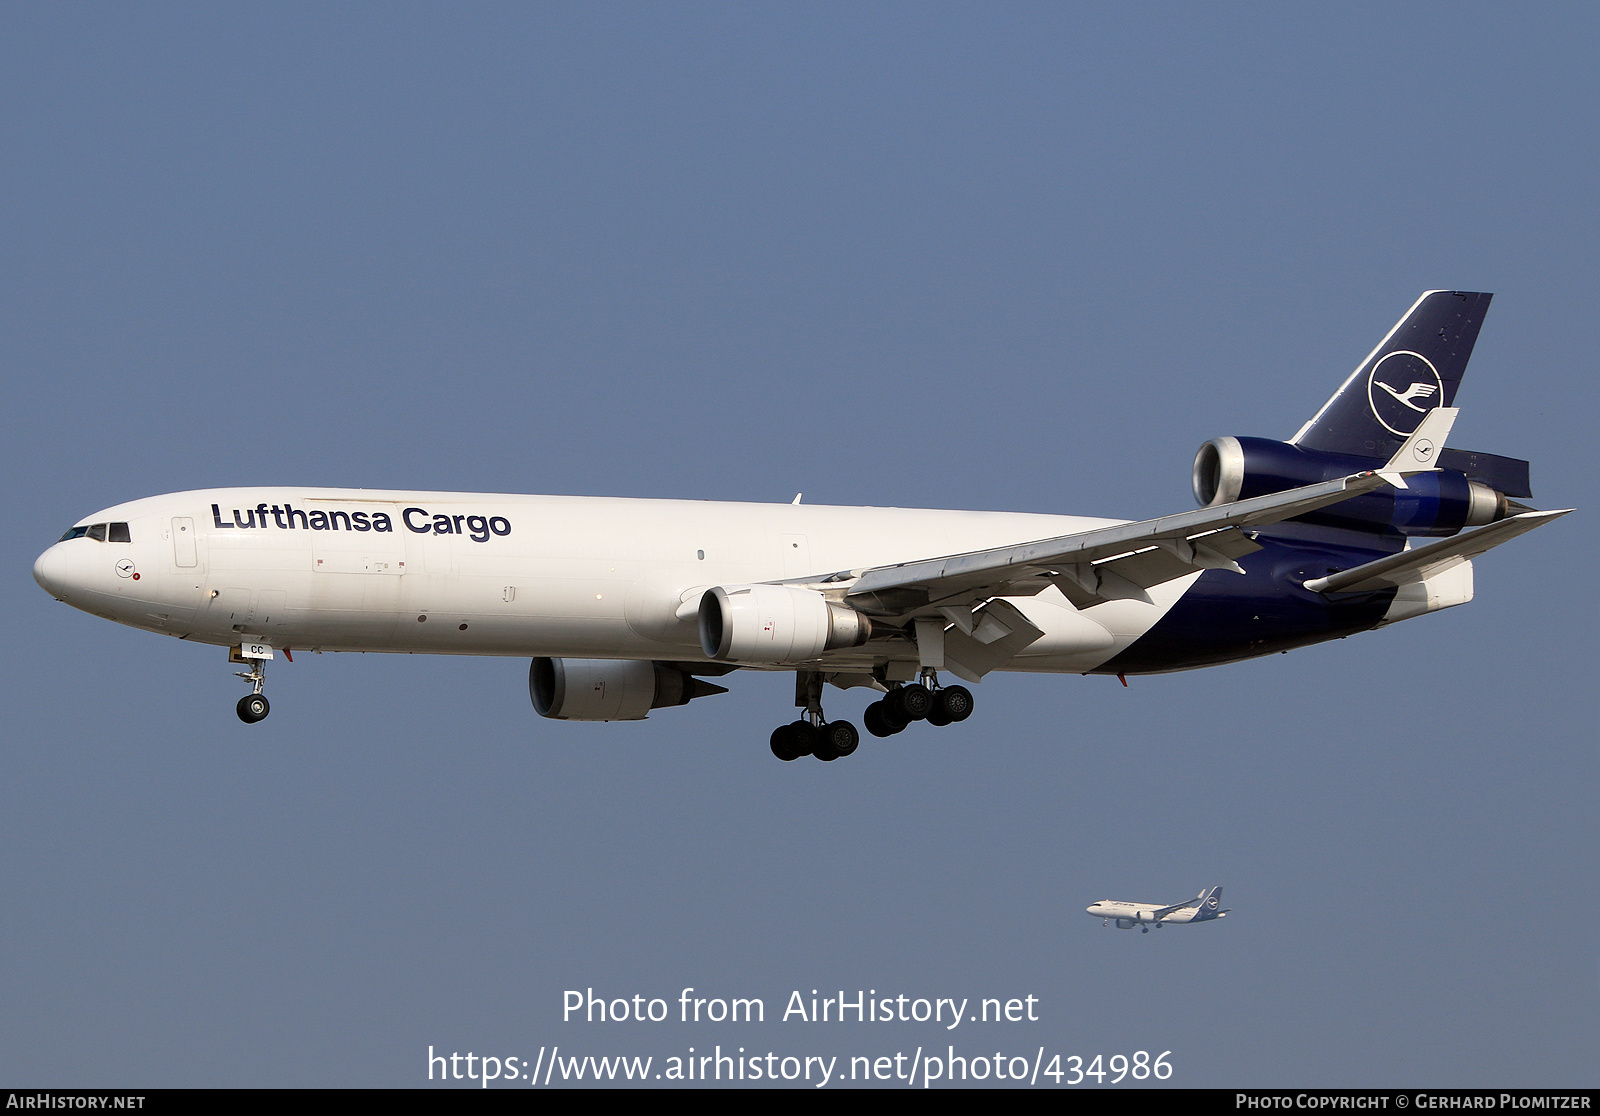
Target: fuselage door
x=183, y=541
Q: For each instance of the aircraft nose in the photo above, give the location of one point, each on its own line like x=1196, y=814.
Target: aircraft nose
x=50, y=571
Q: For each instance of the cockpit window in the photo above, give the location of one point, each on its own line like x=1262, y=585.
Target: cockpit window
x=100, y=532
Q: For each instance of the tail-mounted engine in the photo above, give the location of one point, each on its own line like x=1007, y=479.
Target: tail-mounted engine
x=775, y=624
x=1441, y=502
x=610, y=689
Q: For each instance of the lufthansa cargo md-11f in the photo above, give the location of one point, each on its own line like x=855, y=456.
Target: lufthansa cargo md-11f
x=1361, y=519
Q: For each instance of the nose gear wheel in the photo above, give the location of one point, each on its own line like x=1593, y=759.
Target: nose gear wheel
x=253, y=708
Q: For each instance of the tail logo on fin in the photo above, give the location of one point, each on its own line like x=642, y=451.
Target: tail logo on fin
x=1415, y=391
x=1401, y=409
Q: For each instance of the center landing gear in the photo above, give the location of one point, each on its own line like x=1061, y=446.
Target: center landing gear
x=939, y=706
x=253, y=706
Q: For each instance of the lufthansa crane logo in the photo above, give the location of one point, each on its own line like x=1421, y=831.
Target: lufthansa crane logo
x=1401, y=389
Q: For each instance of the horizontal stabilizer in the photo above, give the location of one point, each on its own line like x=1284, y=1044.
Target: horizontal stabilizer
x=1425, y=561
x=1503, y=474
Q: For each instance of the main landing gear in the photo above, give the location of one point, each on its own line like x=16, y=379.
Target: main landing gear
x=253, y=706
x=828, y=741
x=814, y=735
x=917, y=702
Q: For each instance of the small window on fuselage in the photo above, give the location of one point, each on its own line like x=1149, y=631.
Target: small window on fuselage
x=119, y=533
x=74, y=533
x=98, y=532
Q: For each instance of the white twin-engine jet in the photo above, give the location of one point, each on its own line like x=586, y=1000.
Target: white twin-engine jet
x=1202, y=908
x=626, y=606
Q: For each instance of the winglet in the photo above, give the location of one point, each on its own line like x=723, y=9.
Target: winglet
x=1420, y=452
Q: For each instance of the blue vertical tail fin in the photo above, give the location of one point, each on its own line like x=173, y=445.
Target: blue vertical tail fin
x=1210, y=904
x=1414, y=369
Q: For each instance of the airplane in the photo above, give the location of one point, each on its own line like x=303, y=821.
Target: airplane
x=1360, y=520
x=1202, y=908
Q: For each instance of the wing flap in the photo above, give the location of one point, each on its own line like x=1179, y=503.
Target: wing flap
x=999, y=632
x=1127, y=577
x=1425, y=561
x=1203, y=539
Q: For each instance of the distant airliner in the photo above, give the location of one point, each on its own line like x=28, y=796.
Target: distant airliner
x=625, y=606
x=1202, y=908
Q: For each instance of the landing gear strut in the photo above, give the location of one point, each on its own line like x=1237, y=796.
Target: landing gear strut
x=253, y=706
x=813, y=734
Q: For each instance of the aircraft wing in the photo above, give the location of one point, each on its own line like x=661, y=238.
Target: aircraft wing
x=1436, y=557
x=1099, y=565
x=1165, y=911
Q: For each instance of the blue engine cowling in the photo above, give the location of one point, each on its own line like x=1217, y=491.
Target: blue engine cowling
x=1436, y=503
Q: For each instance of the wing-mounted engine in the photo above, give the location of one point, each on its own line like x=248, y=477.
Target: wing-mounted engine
x=1439, y=502
x=773, y=625
x=610, y=689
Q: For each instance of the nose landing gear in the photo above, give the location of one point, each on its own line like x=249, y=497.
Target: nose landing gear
x=253, y=706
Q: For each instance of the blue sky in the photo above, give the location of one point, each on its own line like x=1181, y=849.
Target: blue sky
x=1004, y=256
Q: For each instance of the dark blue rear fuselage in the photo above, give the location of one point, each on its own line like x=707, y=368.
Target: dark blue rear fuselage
x=1225, y=617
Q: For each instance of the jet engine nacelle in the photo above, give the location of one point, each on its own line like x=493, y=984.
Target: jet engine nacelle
x=775, y=624
x=609, y=689
x=1441, y=502
x=1124, y=924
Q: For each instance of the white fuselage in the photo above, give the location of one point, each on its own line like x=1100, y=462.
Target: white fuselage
x=1141, y=913
x=489, y=574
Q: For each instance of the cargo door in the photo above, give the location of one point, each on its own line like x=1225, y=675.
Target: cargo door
x=356, y=584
